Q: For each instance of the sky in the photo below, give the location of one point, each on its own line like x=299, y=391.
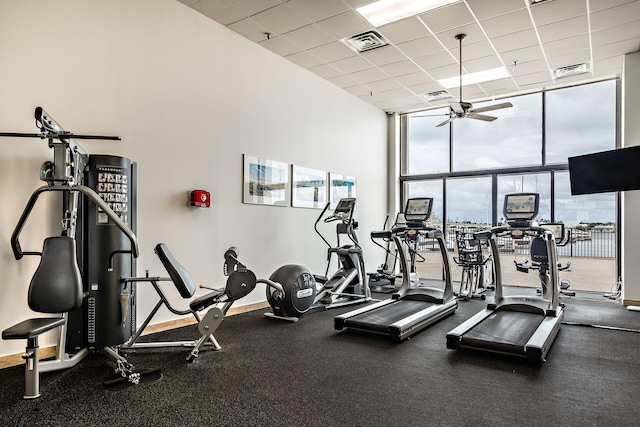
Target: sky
x=579, y=120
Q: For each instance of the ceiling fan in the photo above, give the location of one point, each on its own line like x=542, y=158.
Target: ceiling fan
x=462, y=109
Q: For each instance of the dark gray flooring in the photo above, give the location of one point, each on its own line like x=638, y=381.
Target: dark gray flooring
x=273, y=373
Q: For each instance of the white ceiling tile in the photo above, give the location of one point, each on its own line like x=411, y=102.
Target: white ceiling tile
x=481, y=64
x=421, y=46
x=503, y=85
x=617, y=49
x=484, y=9
x=554, y=11
x=219, y=11
x=309, y=37
x=346, y=24
x=382, y=85
x=508, y=23
x=351, y=65
x=415, y=79
x=427, y=87
x=400, y=68
x=435, y=60
x=445, y=18
x=318, y=10
x=615, y=34
x=527, y=54
x=571, y=58
x=514, y=41
x=304, y=59
x=473, y=33
x=343, y=81
x=325, y=71
x=628, y=12
x=357, y=90
x=404, y=30
x=367, y=76
x=596, y=5
x=332, y=51
x=250, y=29
x=384, y=55
x=541, y=78
x=281, y=19
x=280, y=45
x=473, y=50
x=563, y=29
x=395, y=93
x=604, y=67
x=252, y=7
x=444, y=72
x=530, y=67
x=568, y=45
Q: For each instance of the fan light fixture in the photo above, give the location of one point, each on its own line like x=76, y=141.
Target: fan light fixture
x=386, y=11
x=473, y=78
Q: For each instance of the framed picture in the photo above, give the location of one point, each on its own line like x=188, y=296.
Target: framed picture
x=309, y=187
x=266, y=182
x=341, y=186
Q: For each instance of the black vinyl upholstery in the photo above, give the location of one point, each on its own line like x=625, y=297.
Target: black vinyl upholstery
x=538, y=251
x=179, y=275
x=56, y=286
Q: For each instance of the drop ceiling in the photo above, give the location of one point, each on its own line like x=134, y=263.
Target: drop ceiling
x=529, y=40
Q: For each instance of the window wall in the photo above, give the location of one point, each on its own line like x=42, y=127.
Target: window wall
x=469, y=165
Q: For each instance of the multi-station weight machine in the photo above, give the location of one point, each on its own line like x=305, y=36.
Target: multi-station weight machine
x=97, y=244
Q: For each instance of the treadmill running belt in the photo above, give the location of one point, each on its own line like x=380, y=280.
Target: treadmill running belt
x=507, y=331
x=379, y=320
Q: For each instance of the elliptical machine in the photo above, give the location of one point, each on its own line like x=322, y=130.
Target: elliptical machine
x=293, y=291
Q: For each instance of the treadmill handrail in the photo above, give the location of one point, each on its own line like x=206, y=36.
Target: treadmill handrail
x=15, y=236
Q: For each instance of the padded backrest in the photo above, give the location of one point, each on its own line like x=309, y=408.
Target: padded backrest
x=538, y=251
x=179, y=275
x=56, y=286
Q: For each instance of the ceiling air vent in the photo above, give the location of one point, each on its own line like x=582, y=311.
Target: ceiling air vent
x=571, y=70
x=433, y=96
x=365, y=42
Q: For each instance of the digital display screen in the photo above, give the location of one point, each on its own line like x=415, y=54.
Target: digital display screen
x=345, y=205
x=606, y=171
x=418, y=209
x=521, y=206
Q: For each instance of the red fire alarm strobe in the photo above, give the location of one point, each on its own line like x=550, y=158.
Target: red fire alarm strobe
x=199, y=198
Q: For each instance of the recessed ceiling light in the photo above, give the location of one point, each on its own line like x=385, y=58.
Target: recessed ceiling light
x=571, y=70
x=473, y=78
x=385, y=11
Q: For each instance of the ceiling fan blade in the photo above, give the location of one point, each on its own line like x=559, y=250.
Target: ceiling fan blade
x=481, y=117
x=446, y=121
x=492, y=107
x=457, y=107
x=431, y=115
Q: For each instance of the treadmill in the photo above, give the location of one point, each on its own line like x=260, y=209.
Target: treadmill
x=411, y=308
x=523, y=326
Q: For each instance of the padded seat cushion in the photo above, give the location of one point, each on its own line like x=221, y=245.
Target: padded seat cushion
x=206, y=300
x=32, y=328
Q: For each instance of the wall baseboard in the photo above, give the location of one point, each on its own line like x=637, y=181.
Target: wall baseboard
x=630, y=302
x=45, y=352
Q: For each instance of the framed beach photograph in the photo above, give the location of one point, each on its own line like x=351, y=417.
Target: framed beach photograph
x=309, y=187
x=266, y=182
x=341, y=186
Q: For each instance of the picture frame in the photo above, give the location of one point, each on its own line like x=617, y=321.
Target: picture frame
x=341, y=186
x=308, y=188
x=265, y=182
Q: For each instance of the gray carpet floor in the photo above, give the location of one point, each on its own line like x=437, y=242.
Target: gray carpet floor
x=272, y=373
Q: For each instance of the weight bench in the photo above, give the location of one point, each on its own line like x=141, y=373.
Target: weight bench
x=240, y=282
x=56, y=287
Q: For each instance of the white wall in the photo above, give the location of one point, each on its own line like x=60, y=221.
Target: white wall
x=188, y=97
x=631, y=199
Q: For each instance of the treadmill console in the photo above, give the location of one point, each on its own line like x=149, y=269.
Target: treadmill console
x=520, y=209
x=417, y=211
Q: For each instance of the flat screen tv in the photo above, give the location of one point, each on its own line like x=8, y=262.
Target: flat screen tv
x=614, y=170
